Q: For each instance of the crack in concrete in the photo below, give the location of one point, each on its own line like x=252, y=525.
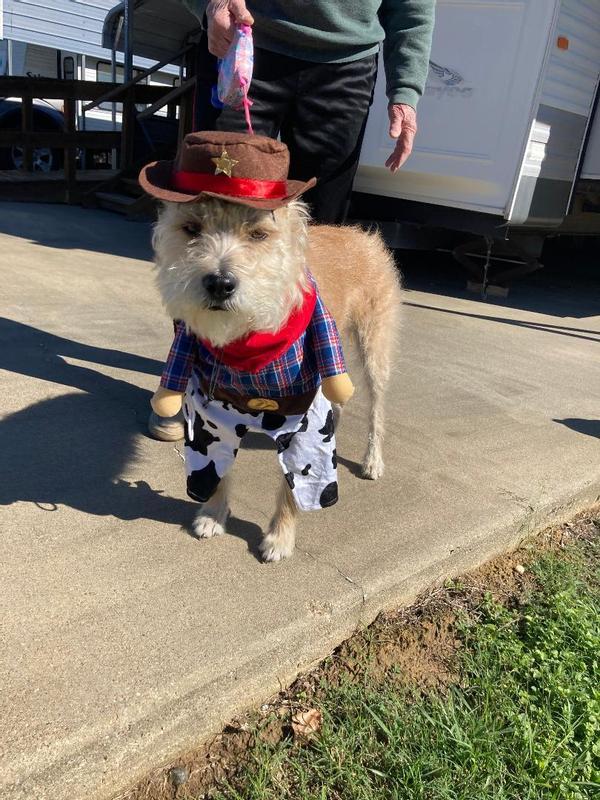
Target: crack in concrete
x=342, y=574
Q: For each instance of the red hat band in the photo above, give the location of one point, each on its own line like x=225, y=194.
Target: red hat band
x=196, y=182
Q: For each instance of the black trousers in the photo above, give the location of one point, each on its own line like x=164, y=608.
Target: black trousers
x=319, y=110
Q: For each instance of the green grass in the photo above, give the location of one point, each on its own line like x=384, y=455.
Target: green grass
x=524, y=724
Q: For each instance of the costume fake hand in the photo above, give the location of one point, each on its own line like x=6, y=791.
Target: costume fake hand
x=166, y=402
x=403, y=127
x=223, y=16
x=338, y=388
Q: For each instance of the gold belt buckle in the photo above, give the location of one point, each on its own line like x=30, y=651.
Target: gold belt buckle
x=262, y=404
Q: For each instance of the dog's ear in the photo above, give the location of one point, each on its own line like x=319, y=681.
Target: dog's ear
x=299, y=217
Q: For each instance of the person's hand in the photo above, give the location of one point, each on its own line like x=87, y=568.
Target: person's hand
x=223, y=16
x=403, y=127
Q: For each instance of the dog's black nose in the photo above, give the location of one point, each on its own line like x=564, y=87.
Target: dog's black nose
x=220, y=285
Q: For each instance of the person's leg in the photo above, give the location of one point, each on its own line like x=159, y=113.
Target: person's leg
x=325, y=132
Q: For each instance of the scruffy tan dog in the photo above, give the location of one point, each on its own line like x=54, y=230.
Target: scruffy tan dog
x=265, y=254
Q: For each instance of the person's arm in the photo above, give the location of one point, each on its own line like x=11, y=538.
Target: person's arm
x=408, y=26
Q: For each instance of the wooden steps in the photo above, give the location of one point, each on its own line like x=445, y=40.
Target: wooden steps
x=122, y=194
x=50, y=187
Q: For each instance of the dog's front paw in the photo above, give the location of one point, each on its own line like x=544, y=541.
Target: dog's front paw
x=372, y=466
x=205, y=527
x=276, y=546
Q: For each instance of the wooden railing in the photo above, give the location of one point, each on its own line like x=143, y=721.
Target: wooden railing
x=70, y=140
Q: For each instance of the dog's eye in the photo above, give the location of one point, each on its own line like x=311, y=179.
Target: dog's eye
x=193, y=229
x=258, y=235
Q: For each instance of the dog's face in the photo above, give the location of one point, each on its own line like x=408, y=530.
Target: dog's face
x=227, y=269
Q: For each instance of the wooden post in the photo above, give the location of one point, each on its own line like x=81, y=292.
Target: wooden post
x=27, y=128
x=186, y=105
x=128, y=46
x=70, y=113
x=128, y=129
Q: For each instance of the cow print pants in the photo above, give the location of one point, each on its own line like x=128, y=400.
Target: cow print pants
x=305, y=446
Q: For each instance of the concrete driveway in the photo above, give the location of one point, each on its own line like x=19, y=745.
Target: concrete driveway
x=125, y=640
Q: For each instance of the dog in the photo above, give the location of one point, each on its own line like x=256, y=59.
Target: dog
x=266, y=253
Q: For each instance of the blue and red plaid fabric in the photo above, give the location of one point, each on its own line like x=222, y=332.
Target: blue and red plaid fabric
x=314, y=355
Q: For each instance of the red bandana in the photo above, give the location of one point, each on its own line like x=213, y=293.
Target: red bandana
x=256, y=350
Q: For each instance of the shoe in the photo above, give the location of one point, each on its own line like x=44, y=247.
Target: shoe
x=166, y=429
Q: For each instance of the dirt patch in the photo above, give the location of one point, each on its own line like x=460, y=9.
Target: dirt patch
x=415, y=646
x=421, y=655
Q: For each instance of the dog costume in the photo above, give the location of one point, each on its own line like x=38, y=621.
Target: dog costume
x=281, y=383
x=264, y=382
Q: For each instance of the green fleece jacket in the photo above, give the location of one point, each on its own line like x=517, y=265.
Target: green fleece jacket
x=330, y=31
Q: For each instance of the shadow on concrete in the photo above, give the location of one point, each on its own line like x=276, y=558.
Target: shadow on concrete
x=589, y=427
x=563, y=330
x=353, y=467
x=31, y=351
x=73, y=449
x=566, y=287
x=75, y=228
x=248, y=532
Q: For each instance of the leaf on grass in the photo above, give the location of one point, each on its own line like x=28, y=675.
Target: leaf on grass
x=377, y=772
x=307, y=724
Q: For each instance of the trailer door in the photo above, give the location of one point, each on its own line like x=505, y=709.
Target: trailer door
x=475, y=116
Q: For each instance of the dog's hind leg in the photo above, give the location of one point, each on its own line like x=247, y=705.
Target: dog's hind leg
x=280, y=539
x=376, y=334
x=211, y=518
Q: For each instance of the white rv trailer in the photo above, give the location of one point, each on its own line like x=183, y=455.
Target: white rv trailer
x=506, y=126
x=63, y=39
x=507, y=131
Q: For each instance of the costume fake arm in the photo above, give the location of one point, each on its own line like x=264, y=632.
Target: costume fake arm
x=336, y=384
x=166, y=401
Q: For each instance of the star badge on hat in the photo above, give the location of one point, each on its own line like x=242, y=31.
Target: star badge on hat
x=224, y=164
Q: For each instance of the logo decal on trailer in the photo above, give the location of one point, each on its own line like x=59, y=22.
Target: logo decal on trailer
x=446, y=82
x=446, y=75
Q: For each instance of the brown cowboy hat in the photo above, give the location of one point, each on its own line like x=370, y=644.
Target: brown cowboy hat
x=237, y=167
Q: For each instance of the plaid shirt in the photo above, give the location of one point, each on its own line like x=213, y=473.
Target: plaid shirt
x=316, y=354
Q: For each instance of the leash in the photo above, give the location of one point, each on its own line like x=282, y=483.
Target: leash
x=235, y=74
x=210, y=394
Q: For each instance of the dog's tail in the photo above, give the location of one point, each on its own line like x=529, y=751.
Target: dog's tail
x=375, y=321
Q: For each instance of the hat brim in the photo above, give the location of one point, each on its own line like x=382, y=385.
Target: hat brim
x=156, y=180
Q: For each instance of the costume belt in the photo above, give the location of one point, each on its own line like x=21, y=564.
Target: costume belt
x=294, y=404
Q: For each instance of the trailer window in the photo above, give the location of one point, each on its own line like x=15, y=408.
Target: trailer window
x=104, y=72
x=104, y=75
x=69, y=68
